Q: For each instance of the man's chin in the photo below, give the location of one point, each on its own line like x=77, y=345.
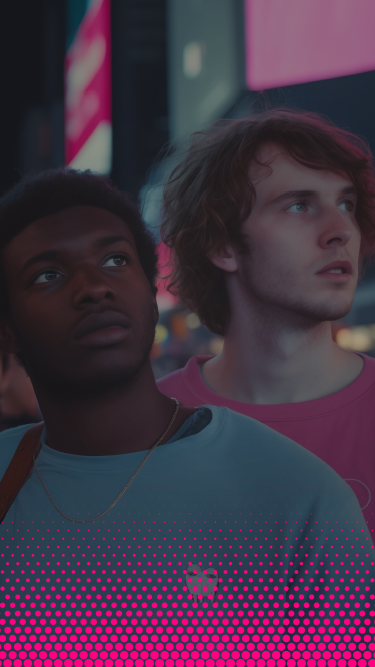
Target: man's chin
x=324, y=312
x=91, y=383
x=107, y=380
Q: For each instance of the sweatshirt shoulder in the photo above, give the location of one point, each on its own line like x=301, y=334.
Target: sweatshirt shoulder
x=9, y=441
x=277, y=451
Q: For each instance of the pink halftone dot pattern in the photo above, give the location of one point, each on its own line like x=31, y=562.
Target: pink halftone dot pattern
x=109, y=607
x=294, y=41
x=108, y=644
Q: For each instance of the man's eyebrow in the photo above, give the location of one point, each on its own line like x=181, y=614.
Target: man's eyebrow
x=296, y=194
x=109, y=240
x=293, y=194
x=52, y=255
x=349, y=190
x=46, y=256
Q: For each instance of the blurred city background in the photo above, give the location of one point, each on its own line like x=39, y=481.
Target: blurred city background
x=106, y=84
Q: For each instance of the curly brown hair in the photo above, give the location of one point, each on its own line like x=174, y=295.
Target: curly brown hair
x=209, y=195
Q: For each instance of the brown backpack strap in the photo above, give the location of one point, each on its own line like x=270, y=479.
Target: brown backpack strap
x=19, y=468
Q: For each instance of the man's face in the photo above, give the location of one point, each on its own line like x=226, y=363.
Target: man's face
x=303, y=238
x=82, y=311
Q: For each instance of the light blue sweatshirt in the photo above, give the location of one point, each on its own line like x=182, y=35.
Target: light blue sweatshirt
x=235, y=521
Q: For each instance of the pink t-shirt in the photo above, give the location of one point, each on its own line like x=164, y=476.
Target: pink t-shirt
x=339, y=428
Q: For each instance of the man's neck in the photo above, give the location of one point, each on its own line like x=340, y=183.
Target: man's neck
x=128, y=420
x=270, y=360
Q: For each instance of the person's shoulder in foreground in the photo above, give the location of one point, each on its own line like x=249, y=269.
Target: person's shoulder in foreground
x=9, y=441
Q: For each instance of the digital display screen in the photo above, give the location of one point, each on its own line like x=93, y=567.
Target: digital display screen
x=296, y=41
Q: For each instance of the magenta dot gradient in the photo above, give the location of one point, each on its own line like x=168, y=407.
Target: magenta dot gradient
x=84, y=606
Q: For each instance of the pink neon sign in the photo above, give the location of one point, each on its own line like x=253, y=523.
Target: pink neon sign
x=88, y=79
x=295, y=41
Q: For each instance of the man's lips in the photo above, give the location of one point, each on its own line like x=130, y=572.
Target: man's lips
x=108, y=326
x=104, y=337
x=344, y=265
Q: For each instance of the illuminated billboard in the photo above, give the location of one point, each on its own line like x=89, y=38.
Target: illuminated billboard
x=296, y=41
x=88, y=125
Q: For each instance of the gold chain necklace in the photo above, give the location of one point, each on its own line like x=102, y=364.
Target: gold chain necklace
x=129, y=482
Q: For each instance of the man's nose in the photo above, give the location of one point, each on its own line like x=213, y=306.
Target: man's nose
x=91, y=286
x=336, y=230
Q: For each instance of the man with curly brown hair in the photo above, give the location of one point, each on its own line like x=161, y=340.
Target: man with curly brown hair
x=271, y=220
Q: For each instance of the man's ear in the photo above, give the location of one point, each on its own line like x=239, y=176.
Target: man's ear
x=225, y=258
x=8, y=339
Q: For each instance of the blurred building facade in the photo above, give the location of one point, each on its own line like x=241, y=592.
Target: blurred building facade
x=206, y=62
x=140, y=89
x=32, y=45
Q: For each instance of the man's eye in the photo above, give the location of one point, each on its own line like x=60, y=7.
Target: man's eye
x=115, y=260
x=298, y=208
x=347, y=205
x=47, y=277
